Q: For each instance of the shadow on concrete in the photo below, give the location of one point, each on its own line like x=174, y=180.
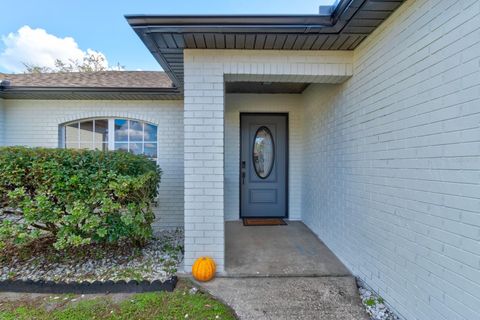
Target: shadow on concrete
x=291, y=250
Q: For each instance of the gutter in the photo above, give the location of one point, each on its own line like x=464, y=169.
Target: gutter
x=29, y=89
x=25, y=92
x=142, y=20
x=325, y=22
x=232, y=24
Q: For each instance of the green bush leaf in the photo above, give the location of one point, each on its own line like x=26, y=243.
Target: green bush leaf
x=76, y=196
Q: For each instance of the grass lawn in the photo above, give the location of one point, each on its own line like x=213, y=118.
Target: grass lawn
x=179, y=304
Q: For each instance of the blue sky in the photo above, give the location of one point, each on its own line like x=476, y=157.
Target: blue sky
x=101, y=26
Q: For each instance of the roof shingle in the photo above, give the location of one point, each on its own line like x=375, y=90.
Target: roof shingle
x=101, y=79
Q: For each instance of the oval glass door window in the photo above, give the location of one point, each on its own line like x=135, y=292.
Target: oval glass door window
x=263, y=152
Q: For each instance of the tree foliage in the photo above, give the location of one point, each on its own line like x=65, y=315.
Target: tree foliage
x=91, y=62
x=77, y=196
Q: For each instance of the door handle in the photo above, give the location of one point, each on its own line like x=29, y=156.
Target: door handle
x=243, y=172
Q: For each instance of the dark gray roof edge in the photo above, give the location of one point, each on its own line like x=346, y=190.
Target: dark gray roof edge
x=242, y=20
x=216, y=20
x=163, y=63
x=171, y=90
x=99, y=93
x=313, y=24
x=81, y=96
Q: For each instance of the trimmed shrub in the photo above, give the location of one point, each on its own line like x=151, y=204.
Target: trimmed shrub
x=77, y=196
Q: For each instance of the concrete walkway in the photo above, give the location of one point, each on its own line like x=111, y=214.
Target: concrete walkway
x=289, y=298
x=284, y=272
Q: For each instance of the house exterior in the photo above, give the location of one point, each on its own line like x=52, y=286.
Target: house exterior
x=363, y=122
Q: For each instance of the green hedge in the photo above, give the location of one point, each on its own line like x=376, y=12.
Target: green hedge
x=77, y=196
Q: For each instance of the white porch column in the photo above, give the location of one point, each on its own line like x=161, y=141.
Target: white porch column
x=204, y=156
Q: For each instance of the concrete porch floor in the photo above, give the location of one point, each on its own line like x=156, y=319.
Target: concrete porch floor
x=291, y=250
x=284, y=273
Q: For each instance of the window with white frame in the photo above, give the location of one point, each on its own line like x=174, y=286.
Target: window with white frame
x=138, y=137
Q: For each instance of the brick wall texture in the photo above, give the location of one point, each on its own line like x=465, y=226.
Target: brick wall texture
x=392, y=176
x=36, y=123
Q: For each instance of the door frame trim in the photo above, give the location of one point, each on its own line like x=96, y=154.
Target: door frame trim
x=287, y=163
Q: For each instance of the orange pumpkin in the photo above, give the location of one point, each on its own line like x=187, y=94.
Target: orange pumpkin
x=204, y=269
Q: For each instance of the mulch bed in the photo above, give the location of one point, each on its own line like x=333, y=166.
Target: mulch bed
x=39, y=262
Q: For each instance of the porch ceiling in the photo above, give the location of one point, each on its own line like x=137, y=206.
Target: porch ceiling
x=265, y=87
x=345, y=28
x=285, y=78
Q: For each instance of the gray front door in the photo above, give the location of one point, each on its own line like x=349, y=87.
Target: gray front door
x=263, y=165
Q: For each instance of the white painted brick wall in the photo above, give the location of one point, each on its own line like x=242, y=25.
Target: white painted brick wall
x=36, y=123
x=392, y=178
x=205, y=73
x=237, y=103
x=204, y=167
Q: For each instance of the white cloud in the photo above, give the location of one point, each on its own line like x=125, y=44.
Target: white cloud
x=38, y=47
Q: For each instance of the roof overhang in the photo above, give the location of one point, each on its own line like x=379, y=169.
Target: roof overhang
x=348, y=24
x=89, y=93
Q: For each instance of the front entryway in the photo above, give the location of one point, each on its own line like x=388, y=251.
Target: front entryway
x=263, y=165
